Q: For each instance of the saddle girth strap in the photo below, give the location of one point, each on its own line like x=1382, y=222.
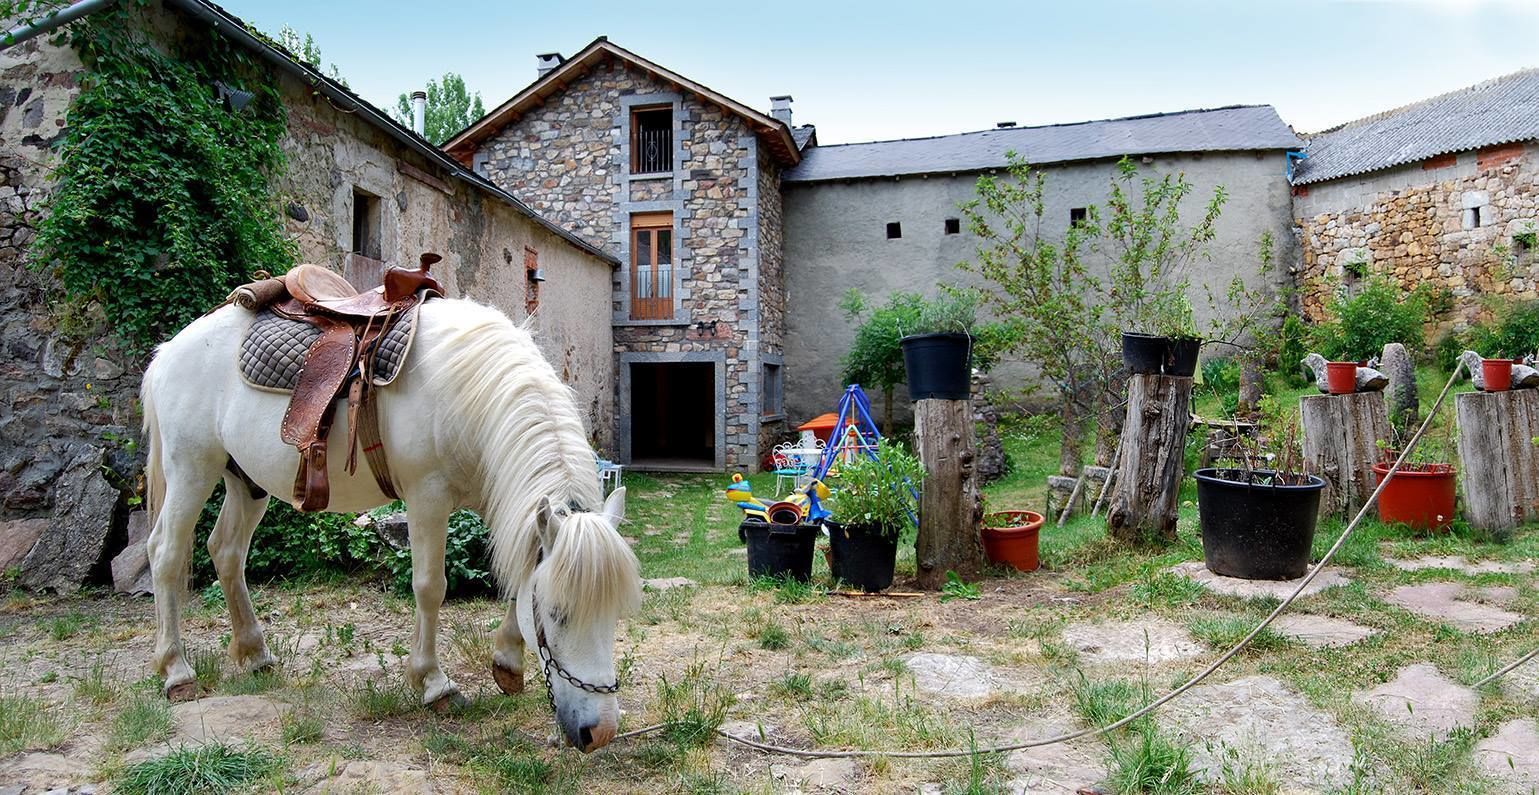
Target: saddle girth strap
x=308, y=418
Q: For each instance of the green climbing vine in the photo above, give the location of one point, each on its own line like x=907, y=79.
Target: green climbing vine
x=162, y=200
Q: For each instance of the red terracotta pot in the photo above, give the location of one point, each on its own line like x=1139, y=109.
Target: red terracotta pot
x=1497, y=373
x=1012, y=540
x=1420, y=495
x=1341, y=377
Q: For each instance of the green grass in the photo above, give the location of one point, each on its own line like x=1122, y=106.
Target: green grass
x=200, y=770
x=1147, y=762
x=694, y=705
x=372, y=702
x=207, y=667
x=146, y=720
x=67, y=626
x=97, y=686
x=792, y=685
x=253, y=683
x=774, y=637
x=28, y=724
x=1223, y=632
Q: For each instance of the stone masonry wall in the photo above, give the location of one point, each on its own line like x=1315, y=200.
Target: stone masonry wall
x=1450, y=222
x=772, y=290
x=569, y=158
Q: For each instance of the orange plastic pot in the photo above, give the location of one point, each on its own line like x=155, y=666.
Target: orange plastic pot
x=1010, y=537
x=1497, y=373
x=1341, y=377
x=1419, y=495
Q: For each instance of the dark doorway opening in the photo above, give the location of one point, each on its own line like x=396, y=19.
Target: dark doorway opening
x=673, y=415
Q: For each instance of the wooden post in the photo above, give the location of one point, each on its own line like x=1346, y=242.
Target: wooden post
x=1341, y=435
x=1153, y=451
x=950, y=512
x=1499, y=459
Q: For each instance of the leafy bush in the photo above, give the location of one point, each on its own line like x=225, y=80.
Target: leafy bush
x=1445, y=353
x=1221, y=375
x=878, y=492
x=1513, y=332
x=1292, y=350
x=1361, y=325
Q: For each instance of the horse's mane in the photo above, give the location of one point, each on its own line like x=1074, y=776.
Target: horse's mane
x=522, y=429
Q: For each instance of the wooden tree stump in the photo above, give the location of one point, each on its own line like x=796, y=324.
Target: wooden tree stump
x=950, y=512
x=1341, y=435
x=1152, y=463
x=1499, y=459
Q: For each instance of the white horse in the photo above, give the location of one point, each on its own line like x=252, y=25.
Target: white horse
x=477, y=419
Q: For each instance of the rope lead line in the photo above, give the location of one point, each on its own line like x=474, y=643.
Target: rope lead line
x=1168, y=697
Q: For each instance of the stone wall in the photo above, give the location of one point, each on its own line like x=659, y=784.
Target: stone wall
x=1449, y=222
x=69, y=392
x=771, y=301
x=570, y=159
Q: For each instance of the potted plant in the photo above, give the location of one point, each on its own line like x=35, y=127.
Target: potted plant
x=1173, y=345
x=1421, y=495
x=1497, y=374
x=1010, y=537
x=937, y=351
x=873, y=508
x=1258, y=522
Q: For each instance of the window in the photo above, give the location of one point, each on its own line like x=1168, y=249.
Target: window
x=366, y=223
x=1076, y=216
x=953, y=226
x=532, y=279
x=894, y=230
x=652, y=266
x=651, y=140
x=1472, y=217
x=773, y=389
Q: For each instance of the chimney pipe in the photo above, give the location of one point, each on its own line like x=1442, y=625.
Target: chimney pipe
x=546, y=61
x=780, y=108
x=419, y=112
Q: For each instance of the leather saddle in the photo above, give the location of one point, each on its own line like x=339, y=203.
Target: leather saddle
x=338, y=362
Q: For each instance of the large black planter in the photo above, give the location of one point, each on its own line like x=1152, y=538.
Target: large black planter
x=1253, y=529
x=1146, y=354
x=779, y=550
x=939, y=366
x=861, y=557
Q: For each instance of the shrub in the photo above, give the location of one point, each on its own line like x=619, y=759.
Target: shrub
x=1361, y=325
x=878, y=492
x=1291, y=351
x=1513, y=332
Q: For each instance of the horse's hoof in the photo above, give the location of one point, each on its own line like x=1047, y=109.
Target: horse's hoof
x=186, y=691
x=510, y=681
x=264, y=667
x=449, y=702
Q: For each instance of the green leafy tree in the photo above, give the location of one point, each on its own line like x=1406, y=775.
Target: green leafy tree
x=875, y=359
x=304, y=49
x=450, y=108
x=1379, y=312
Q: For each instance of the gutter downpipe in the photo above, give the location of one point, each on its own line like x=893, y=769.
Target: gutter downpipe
x=53, y=21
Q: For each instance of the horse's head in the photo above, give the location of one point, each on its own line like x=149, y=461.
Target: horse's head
x=587, y=578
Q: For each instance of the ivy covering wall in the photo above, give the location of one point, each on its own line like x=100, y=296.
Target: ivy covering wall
x=162, y=201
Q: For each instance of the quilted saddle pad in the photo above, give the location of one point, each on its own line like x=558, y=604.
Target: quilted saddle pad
x=274, y=349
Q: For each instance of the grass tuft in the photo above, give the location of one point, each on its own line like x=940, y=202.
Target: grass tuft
x=774, y=637
x=1163, y=589
x=471, y=643
x=207, y=668
x=146, y=720
x=694, y=706
x=377, y=703
x=196, y=770
x=792, y=685
x=1147, y=761
x=253, y=683
x=28, y=724
x=1223, y=632
x=66, y=626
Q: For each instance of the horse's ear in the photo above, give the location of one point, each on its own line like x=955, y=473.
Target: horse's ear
x=545, y=521
x=614, y=506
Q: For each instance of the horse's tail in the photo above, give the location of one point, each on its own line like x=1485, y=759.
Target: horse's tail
x=154, y=472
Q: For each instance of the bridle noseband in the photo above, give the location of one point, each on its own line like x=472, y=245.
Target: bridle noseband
x=548, y=663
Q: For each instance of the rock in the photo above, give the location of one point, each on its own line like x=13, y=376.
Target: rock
x=1459, y=564
x=1195, y=571
x=84, y=503
x=819, y=774
x=1152, y=641
x=668, y=583
x=224, y=718
x=1511, y=756
x=1404, y=406
x=1059, y=487
x=17, y=537
x=1523, y=681
x=1421, y=701
x=1443, y=601
x=1320, y=632
x=747, y=729
x=950, y=675
x=42, y=771
x=1262, y=720
x=131, y=568
x=393, y=531
x=1053, y=769
x=360, y=776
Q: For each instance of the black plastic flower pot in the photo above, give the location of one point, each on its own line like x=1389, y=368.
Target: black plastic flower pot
x=1255, y=525
x=782, y=551
x=1146, y=354
x=861, y=556
x=939, y=366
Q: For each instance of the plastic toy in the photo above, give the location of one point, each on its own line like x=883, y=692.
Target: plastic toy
x=797, y=506
x=741, y=494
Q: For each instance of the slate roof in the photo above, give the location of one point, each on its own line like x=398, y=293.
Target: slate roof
x=1234, y=128
x=1498, y=111
x=801, y=135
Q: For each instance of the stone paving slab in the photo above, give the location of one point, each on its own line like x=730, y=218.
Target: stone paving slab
x=1053, y=769
x=1523, y=681
x=957, y=676
x=366, y=776
x=1511, y=755
x=1261, y=720
x=1195, y=571
x=1453, y=603
x=223, y=718
x=1460, y=564
x=1420, y=701
x=1153, y=641
x=1321, y=632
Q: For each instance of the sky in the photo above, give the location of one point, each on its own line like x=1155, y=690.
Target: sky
x=881, y=69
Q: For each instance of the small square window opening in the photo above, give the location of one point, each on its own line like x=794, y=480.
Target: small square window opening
x=953, y=226
x=1077, y=216
x=894, y=230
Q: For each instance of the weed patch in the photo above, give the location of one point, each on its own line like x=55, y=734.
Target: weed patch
x=194, y=770
x=28, y=724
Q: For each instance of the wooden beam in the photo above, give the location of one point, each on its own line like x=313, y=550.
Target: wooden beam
x=424, y=177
